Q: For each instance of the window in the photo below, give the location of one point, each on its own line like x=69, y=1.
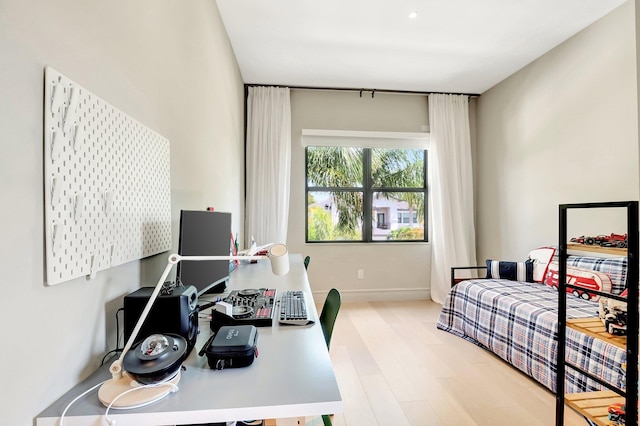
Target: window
x=365, y=194
x=404, y=217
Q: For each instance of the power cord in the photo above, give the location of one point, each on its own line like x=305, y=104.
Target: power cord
x=75, y=399
x=106, y=356
x=167, y=382
x=118, y=348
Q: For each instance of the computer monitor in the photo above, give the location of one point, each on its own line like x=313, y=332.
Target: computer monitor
x=204, y=233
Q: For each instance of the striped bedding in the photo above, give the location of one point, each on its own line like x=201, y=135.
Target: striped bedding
x=518, y=322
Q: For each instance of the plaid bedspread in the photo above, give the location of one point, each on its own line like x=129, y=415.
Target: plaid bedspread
x=518, y=322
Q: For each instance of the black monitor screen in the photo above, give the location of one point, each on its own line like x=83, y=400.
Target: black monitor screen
x=204, y=233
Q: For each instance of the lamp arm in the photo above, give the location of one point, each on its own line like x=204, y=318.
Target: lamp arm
x=175, y=258
x=116, y=367
x=277, y=255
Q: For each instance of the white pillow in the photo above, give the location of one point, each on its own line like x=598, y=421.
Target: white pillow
x=541, y=258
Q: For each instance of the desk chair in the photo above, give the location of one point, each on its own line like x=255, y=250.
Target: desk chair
x=327, y=321
x=306, y=262
x=329, y=314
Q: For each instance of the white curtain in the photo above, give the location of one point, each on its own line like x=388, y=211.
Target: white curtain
x=453, y=230
x=268, y=164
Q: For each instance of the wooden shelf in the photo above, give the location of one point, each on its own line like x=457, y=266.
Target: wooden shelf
x=593, y=405
x=594, y=328
x=614, y=251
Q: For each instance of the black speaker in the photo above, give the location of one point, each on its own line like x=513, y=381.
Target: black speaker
x=175, y=313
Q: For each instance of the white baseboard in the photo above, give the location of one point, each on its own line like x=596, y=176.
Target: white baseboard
x=371, y=295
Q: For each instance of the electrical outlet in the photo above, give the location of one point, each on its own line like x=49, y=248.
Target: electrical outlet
x=360, y=274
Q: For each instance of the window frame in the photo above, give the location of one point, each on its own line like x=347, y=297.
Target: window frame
x=368, y=192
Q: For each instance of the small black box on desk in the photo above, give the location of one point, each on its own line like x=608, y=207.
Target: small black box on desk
x=233, y=346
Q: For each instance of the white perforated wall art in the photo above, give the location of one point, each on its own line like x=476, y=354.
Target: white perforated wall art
x=106, y=184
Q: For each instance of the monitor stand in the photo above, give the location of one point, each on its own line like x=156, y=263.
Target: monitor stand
x=217, y=289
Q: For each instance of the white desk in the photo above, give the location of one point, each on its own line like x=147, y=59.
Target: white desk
x=291, y=377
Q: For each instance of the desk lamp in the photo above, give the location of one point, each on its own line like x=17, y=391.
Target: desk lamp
x=164, y=351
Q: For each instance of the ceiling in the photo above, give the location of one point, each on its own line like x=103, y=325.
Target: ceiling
x=452, y=46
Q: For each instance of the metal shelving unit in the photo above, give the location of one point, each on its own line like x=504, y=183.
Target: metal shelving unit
x=597, y=401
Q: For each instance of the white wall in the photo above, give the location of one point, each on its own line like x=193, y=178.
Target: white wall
x=391, y=271
x=562, y=130
x=169, y=65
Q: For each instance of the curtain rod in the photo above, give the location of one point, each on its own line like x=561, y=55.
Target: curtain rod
x=362, y=90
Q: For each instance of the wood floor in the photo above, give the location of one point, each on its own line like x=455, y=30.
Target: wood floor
x=395, y=368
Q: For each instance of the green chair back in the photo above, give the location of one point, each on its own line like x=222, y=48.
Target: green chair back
x=327, y=321
x=330, y=313
x=306, y=262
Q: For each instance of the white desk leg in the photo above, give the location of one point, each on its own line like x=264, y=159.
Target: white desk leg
x=291, y=421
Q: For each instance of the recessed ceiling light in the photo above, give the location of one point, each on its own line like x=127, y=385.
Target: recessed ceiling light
x=413, y=14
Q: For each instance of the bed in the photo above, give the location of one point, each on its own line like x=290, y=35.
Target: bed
x=518, y=321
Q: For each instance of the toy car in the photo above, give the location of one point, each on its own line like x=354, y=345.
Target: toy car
x=579, y=240
x=617, y=413
x=613, y=315
x=611, y=240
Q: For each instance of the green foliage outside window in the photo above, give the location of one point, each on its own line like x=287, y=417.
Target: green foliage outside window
x=407, y=233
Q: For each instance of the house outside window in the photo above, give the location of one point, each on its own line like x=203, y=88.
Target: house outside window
x=365, y=191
